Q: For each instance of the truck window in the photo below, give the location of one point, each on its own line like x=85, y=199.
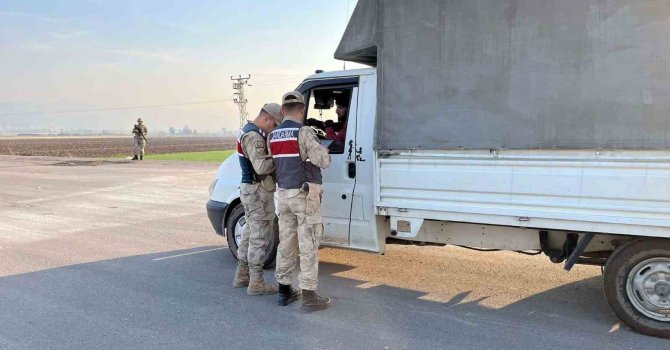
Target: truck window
x=327, y=113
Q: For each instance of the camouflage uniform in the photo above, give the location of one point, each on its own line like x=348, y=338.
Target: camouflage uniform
x=139, y=132
x=258, y=202
x=300, y=221
x=257, y=189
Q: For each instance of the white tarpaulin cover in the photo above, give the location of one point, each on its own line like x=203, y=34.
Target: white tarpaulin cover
x=516, y=74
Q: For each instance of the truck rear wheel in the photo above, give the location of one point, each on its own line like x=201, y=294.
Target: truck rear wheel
x=234, y=226
x=637, y=285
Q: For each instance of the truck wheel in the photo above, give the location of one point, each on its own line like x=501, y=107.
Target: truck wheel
x=637, y=285
x=234, y=226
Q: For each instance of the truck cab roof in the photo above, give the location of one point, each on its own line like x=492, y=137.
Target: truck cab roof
x=342, y=73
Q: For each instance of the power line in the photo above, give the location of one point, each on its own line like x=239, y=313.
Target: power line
x=278, y=82
x=346, y=22
x=279, y=74
x=114, y=108
x=278, y=79
x=240, y=100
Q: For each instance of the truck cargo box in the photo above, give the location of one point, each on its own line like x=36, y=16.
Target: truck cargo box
x=516, y=74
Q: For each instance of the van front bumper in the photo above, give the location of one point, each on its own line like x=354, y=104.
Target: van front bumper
x=216, y=212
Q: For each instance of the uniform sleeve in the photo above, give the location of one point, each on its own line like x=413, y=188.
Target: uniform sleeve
x=255, y=147
x=310, y=148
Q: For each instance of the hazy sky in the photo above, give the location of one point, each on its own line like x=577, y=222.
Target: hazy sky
x=96, y=54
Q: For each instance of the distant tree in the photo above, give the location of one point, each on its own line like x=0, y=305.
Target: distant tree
x=171, y=130
x=186, y=130
x=195, y=131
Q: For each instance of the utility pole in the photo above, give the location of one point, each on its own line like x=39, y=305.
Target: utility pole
x=240, y=100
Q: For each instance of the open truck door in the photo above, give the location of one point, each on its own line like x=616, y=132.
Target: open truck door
x=332, y=112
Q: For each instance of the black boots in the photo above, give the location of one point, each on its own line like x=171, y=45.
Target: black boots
x=142, y=157
x=134, y=158
x=287, y=294
x=313, y=302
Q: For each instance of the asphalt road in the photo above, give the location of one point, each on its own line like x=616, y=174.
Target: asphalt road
x=98, y=255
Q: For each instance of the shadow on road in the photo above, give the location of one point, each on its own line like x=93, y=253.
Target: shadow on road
x=184, y=299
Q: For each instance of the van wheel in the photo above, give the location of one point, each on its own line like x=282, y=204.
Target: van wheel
x=637, y=285
x=234, y=227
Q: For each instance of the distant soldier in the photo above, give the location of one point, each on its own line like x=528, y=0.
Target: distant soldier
x=299, y=158
x=140, y=137
x=257, y=190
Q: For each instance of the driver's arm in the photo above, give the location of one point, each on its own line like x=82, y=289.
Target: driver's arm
x=315, y=123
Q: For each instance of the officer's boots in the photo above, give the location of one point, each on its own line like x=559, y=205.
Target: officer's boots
x=257, y=285
x=287, y=294
x=241, y=275
x=134, y=158
x=313, y=302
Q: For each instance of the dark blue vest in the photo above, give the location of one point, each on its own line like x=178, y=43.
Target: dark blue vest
x=292, y=171
x=249, y=175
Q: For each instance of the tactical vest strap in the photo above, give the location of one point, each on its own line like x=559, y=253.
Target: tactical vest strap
x=249, y=175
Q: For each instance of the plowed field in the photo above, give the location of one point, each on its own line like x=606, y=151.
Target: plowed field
x=108, y=146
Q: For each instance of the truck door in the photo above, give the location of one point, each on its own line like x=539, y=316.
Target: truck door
x=332, y=113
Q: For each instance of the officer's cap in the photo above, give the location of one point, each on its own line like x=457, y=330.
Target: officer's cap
x=274, y=110
x=292, y=97
x=139, y=120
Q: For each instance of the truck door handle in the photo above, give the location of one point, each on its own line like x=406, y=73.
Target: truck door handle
x=351, y=170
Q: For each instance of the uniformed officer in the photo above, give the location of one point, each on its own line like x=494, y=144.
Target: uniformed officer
x=257, y=190
x=299, y=158
x=140, y=138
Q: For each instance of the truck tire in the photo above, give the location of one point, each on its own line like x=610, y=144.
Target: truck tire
x=637, y=285
x=234, y=226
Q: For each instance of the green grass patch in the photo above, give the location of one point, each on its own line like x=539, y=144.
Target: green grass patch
x=210, y=156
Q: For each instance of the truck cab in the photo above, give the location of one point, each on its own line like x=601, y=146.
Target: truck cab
x=349, y=216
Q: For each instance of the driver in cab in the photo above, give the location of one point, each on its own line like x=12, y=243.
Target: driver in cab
x=339, y=134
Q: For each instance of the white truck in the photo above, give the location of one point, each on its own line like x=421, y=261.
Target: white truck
x=500, y=140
